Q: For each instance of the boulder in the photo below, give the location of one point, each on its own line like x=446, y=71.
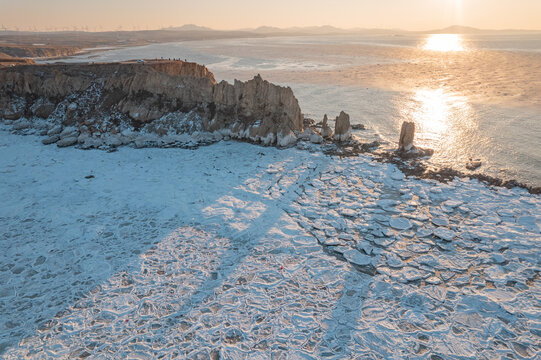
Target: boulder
x=474, y=164
x=315, y=138
x=309, y=134
x=286, y=139
x=55, y=130
x=50, y=139
x=42, y=109
x=69, y=141
x=342, y=127
x=69, y=132
x=21, y=124
x=407, y=133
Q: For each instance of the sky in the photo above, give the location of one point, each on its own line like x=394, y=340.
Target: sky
x=99, y=15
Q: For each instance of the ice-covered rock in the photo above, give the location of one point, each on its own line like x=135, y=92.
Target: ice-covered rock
x=55, y=130
x=69, y=132
x=326, y=130
x=286, y=139
x=51, y=139
x=21, y=124
x=67, y=141
x=315, y=138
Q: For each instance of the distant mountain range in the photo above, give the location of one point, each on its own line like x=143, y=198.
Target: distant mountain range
x=264, y=31
x=57, y=41
x=332, y=30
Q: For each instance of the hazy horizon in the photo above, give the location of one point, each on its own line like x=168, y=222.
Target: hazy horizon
x=262, y=28
x=413, y=15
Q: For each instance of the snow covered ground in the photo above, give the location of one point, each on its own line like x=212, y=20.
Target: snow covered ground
x=239, y=251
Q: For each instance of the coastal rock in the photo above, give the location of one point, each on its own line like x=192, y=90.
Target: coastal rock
x=42, y=108
x=407, y=133
x=326, y=131
x=358, y=127
x=342, y=127
x=160, y=98
x=50, y=139
x=315, y=138
x=11, y=109
x=69, y=132
x=68, y=141
x=286, y=139
x=21, y=124
x=474, y=164
x=55, y=130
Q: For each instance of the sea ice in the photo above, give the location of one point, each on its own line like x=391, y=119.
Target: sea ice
x=239, y=251
x=400, y=223
x=444, y=234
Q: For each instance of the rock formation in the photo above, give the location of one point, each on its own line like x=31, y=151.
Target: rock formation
x=145, y=103
x=342, y=127
x=407, y=133
x=326, y=131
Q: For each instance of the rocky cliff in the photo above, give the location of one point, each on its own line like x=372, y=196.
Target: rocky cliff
x=143, y=103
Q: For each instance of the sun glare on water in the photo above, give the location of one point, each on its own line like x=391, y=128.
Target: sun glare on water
x=438, y=114
x=444, y=42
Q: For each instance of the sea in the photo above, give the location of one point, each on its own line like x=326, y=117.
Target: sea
x=472, y=97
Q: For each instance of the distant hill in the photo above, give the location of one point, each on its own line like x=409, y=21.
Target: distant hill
x=189, y=27
x=318, y=30
x=458, y=29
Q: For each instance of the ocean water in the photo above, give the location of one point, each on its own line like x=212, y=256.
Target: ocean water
x=471, y=96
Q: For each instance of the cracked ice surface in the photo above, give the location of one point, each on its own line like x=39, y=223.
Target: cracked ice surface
x=238, y=251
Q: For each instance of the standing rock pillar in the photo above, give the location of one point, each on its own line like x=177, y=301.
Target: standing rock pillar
x=407, y=133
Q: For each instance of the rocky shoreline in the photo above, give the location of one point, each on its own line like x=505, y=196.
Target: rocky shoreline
x=172, y=103
x=144, y=103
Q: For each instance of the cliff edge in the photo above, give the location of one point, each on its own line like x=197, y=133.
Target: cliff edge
x=144, y=103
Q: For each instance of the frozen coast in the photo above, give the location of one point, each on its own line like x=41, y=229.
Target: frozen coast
x=239, y=251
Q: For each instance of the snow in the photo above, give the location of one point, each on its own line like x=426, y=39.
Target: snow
x=241, y=251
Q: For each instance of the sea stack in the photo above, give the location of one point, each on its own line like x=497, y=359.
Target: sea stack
x=407, y=133
x=342, y=127
x=326, y=131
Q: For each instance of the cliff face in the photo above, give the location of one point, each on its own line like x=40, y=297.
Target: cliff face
x=163, y=98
